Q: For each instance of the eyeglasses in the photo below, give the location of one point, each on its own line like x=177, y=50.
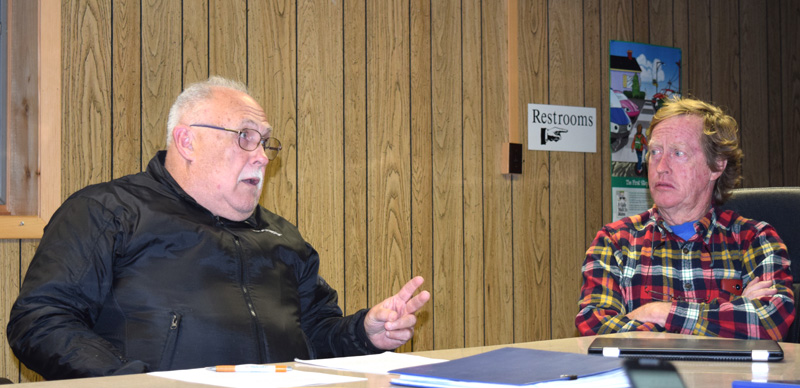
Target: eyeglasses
x=662, y=297
x=250, y=139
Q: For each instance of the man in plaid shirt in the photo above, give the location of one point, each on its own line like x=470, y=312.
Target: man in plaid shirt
x=684, y=266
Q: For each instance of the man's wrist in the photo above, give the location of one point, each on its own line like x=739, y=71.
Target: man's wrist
x=363, y=337
x=653, y=312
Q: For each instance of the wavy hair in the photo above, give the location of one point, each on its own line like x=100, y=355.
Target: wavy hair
x=720, y=140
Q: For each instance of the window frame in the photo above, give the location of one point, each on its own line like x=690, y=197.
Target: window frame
x=47, y=41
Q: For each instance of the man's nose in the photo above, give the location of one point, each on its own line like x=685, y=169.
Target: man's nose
x=662, y=164
x=261, y=156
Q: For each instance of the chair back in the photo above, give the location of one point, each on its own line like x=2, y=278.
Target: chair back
x=777, y=206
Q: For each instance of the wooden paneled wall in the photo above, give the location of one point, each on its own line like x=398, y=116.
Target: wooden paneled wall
x=393, y=115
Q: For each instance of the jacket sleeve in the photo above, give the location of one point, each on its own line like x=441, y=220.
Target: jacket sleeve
x=69, y=278
x=602, y=307
x=330, y=333
x=768, y=317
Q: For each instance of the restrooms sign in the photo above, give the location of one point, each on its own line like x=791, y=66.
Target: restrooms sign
x=562, y=128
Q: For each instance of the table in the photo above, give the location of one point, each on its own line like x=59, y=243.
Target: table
x=693, y=373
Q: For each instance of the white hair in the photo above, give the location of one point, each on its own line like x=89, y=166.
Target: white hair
x=195, y=94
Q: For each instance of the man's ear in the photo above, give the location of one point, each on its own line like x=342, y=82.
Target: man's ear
x=184, y=140
x=721, y=165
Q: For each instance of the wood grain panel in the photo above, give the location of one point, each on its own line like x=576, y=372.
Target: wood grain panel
x=161, y=71
x=272, y=80
x=615, y=26
x=355, y=154
x=697, y=61
x=681, y=36
x=661, y=23
x=195, y=41
x=791, y=92
x=448, y=197
x=26, y=252
x=227, y=38
x=22, y=110
x=640, y=20
x=401, y=79
x=9, y=289
x=531, y=192
x=498, y=244
x=86, y=97
x=775, y=93
x=596, y=163
x=566, y=171
x=27, y=249
x=422, y=234
x=320, y=134
x=754, y=129
x=388, y=148
x=126, y=119
x=472, y=123
x=725, y=77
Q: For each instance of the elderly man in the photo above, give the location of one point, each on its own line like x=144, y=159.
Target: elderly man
x=684, y=266
x=179, y=267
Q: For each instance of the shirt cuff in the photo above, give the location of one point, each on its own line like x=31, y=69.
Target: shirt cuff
x=683, y=317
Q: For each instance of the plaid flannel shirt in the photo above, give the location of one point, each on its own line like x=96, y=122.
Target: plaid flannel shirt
x=638, y=260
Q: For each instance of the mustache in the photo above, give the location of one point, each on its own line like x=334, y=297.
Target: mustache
x=254, y=175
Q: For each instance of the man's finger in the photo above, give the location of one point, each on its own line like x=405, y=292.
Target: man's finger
x=409, y=288
x=759, y=289
x=382, y=313
x=402, y=323
x=753, y=286
x=762, y=293
x=417, y=302
x=400, y=335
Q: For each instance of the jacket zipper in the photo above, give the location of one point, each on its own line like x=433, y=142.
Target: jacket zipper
x=249, y=302
x=169, y=344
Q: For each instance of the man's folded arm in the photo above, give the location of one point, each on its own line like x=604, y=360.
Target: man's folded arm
x=602, y=307
x=768, y=316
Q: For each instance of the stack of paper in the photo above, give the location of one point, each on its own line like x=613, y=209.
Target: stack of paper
x=293, y=378
x=380, y=363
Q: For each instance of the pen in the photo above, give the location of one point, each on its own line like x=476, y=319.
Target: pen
x=250, y=368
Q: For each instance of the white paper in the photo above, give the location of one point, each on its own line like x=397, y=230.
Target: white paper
x=374, y=363
x=293, y=378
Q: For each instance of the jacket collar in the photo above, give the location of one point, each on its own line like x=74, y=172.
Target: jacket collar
x=157, y=170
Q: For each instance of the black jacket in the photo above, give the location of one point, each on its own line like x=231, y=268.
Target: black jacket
x=133, y=275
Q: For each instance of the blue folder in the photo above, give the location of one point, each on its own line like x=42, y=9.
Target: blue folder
x=766, y=384
x=508, y=366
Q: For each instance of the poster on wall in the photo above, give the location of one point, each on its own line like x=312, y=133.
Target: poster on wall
x=641, y=78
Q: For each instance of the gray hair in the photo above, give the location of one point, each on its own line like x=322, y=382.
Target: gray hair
x=195, y=94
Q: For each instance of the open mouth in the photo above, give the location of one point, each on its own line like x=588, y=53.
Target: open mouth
x=252, y=181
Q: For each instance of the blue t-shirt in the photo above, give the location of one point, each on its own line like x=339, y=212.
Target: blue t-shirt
x=684, y=230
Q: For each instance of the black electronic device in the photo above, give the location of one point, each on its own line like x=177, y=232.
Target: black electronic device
x=652, y=373
x=690, y=348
